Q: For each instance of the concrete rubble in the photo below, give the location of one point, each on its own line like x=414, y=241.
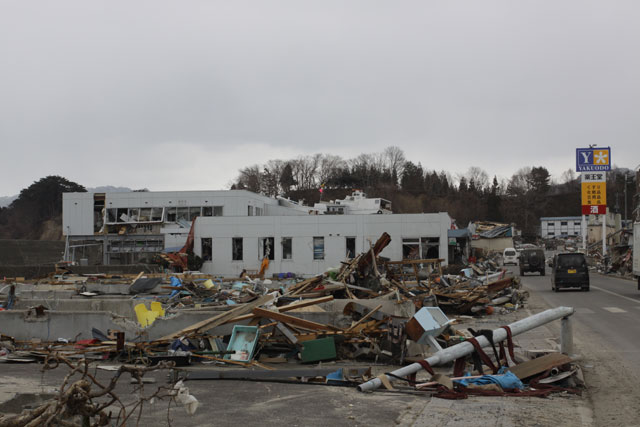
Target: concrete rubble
x=342, y=328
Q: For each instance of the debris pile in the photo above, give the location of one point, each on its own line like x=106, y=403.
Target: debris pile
x=368, y=310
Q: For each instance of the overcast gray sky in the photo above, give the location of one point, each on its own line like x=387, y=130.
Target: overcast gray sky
x=180, y=95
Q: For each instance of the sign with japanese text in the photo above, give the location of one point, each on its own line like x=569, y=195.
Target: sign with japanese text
x=593, y=159
x=594, y=193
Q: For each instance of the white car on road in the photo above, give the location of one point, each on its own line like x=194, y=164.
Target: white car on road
x=509, y=256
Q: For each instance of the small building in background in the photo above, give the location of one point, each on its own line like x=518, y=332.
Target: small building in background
x=490, y=236
x=552, y=227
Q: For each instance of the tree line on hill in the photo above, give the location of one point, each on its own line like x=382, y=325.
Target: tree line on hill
x=522, y=199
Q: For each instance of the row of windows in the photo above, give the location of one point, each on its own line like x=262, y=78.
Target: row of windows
x=421, y=247
x=171, y=214
x=552, y=224
x=266, y=248
x=552, y=233
x=412, y=248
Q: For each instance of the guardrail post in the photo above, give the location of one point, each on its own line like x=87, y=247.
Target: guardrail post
x=566, y=335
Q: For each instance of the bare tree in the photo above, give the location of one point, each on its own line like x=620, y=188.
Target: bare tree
x=394, y=161
x=478, y=176
x=330, y=167
x=251, y=178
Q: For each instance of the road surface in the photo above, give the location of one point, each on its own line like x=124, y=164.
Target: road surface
x=607, y=336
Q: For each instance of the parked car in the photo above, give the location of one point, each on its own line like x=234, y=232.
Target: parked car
x=570, y=271
x=509, y=256
x=532, y=260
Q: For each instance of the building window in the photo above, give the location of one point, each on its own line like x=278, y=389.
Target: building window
x=171, y=214
x=217, y=211
x=156, y=214
x=258, y=211
x=577, y=224
x=145, y=215
x=411, y=248
x=318, y=248
x=430, y=247
x=206, y=248
x=551, y=233
x=182, y=215
x=112, y=215
x=551, y=224
x=563, y=223
x=287, y=248
x=236, y=249
x=194, y=212
x=266, y=249
x=351, y=247
x=250, y=210
x=207, y=211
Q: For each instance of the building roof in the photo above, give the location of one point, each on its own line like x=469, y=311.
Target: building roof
x=459, y=233
x=501, y=231
x=561, y=218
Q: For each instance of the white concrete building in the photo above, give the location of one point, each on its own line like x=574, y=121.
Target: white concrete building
x=309, y=245
x=560, y=226
x=237, y=227
x=132, y=225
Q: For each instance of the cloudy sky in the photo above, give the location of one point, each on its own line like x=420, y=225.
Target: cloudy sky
x=180, y=95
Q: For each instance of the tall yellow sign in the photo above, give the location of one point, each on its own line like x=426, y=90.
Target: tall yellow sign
x=594, y=193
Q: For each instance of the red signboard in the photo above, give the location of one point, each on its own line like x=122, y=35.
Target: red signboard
x=594, y=209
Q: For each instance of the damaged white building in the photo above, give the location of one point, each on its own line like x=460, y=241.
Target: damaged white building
x=236, y=229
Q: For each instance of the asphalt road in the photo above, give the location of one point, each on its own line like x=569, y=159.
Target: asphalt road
x=606, y=335
x=609, y=312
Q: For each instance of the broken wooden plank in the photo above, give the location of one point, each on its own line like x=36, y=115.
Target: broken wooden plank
x=287, y=333
x=365, y=317
x=284, y=308
x=539, y=365
x=218, y=320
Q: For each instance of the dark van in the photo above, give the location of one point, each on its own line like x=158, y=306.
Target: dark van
x=570, y=271
x=532, y=260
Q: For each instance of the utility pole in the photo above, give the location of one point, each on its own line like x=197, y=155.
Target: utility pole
x=626, y=173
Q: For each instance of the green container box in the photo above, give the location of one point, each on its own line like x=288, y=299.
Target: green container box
x=320, y=349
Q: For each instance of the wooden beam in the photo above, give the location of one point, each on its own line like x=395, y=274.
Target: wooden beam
x=365, y=317
x=292, y=320
x=292, y=306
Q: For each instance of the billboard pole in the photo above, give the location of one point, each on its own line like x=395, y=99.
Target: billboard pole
x=604, y=239
x=584, y=233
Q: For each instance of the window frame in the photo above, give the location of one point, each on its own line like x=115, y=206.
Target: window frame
x=285, y=253
x=262, y=249
x=204, y=252
x=318, y=248
x=234, y=249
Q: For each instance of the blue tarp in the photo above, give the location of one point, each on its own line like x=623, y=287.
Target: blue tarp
x=505, y=379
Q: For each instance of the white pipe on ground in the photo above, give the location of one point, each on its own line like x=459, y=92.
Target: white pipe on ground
x=465, y=348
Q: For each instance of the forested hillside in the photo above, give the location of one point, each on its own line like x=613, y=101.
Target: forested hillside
x=475, y=195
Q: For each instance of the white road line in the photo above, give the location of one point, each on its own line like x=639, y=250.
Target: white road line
x=618, y=295
x=614, y=309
